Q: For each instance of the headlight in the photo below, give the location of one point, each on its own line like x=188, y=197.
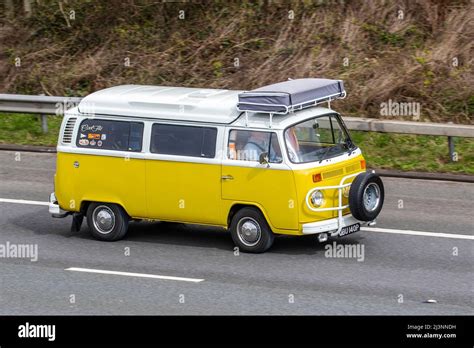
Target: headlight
x=345, y=191
x=317, y=198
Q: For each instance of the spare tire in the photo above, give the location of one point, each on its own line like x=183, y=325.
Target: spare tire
x=366, y=196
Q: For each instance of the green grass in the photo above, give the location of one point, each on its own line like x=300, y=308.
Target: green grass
x=25, y=129
x=381, y=150
x=422, y=153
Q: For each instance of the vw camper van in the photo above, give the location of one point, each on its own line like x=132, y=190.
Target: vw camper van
x=271, y=161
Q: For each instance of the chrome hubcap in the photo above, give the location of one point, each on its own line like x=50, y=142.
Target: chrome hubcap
x=104, y=219
x=371, y=197
x=248, y=231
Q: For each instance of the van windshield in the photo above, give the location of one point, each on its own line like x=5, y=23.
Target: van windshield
x=317, y=139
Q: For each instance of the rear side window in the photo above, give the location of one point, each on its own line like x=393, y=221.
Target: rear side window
x=110, y=135
x=179, y=140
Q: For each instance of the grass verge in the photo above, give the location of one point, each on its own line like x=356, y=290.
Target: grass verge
x=382, y=150
x=423, y=153
x=25, y=129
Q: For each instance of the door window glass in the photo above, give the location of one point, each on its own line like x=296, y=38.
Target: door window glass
x=248, y=145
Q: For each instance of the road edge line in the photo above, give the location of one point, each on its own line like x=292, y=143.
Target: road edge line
x=417, y=233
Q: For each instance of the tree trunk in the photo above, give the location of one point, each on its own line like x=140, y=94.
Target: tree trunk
x=27, y=7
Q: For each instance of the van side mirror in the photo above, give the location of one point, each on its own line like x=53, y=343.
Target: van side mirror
x=263, y=159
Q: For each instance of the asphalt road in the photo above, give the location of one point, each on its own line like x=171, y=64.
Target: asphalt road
x=397, y=274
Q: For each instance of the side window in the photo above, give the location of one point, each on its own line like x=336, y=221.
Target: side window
x=247, y=145
x=136, y=137
x=180, y=140
x=110, y=135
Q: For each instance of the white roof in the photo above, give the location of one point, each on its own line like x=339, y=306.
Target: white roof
x=185, y=104
x=173, y=103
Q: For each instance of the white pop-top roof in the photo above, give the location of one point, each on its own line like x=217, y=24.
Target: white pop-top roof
x=184, y=104
x=172, y=103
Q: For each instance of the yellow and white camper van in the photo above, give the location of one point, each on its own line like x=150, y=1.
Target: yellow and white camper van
x=259, y=163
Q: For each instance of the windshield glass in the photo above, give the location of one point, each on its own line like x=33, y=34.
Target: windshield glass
x=317, y=139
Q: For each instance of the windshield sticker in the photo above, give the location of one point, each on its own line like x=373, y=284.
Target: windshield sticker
x=83, y=142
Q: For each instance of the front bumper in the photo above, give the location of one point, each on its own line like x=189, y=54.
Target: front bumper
x=54, y=208
x=332, y=226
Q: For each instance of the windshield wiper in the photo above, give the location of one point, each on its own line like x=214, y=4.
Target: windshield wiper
x=323, y=157
x=349, y=145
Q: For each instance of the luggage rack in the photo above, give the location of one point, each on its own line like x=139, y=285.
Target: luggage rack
x=290, y=96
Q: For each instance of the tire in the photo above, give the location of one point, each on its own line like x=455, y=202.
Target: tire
x=250, y=231
x=366, y=196
x=105, y=229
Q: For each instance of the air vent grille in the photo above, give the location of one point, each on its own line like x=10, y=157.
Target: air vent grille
x=333, y=173
x=68, y=130
x=353, y=168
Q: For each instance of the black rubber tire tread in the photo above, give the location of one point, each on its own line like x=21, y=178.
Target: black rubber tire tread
x=267, y=236
x=121, y=222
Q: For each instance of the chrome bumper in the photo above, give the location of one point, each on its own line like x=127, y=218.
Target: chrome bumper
x=335, y=225
x=54, y=208
x=331, y=226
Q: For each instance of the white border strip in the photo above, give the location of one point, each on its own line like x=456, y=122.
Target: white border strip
x=22, y=201
x=417, y=233
x=128, y=274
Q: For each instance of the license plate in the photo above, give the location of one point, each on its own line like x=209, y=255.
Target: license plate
x=349, y=230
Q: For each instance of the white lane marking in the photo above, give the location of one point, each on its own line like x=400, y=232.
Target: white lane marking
x=417, y=233
x=128, y=274
x=22, y=201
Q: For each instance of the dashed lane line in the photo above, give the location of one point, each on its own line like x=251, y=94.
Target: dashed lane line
x=129, y=274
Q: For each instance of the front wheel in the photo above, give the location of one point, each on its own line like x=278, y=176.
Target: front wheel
x=107, y=222
x=250, y=231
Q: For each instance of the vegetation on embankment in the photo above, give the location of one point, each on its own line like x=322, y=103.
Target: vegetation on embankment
x=381, y=150
x=408, y=51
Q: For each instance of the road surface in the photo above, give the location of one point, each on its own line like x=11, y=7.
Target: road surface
x=400, y=270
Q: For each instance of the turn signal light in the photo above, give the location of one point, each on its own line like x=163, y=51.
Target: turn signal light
x=317, y=177
x=362, y=164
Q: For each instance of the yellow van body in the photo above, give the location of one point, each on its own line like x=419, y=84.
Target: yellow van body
x=194, y=193
x=196, y=190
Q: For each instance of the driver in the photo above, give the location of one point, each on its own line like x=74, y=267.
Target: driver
x=257, y=143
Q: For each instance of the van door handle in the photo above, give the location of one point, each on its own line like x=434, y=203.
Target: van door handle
x=227, y=177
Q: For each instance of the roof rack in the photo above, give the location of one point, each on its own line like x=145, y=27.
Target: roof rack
x=289, y=96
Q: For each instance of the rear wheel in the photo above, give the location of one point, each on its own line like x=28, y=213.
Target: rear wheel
x=107, y=221
x=250, y=231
